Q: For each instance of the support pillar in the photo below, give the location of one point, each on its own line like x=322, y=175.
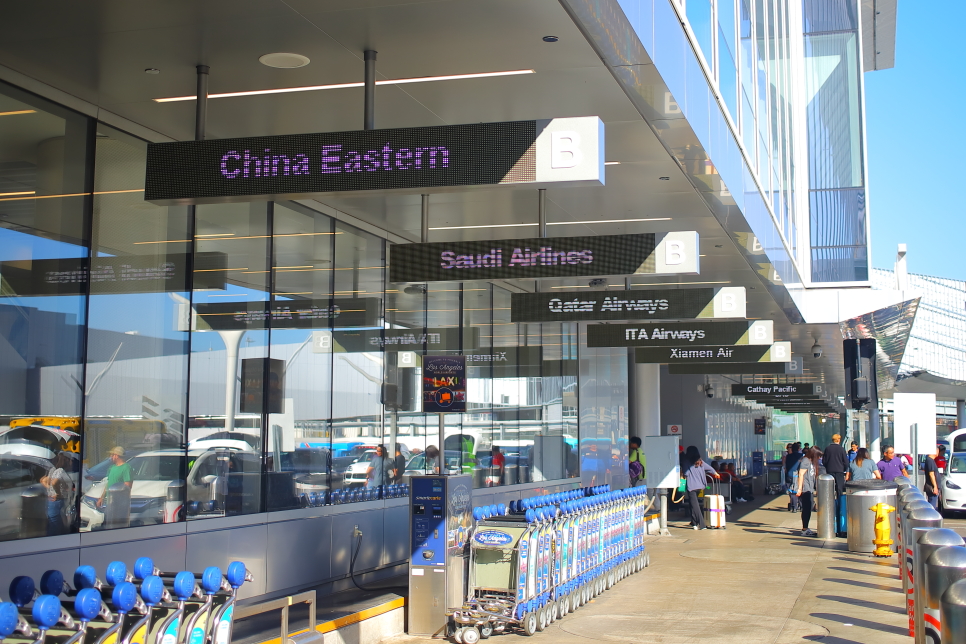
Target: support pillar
x=647, y=400
x=875, y=436
x=369, y=117
x=960, y=414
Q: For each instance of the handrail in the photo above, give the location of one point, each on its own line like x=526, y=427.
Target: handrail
x=308, y=597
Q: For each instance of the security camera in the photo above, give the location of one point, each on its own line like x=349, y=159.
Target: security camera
x=597, y=282
x=816, y=350
x=709, y=391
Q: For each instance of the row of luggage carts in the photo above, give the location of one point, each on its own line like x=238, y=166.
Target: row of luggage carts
x=353, y=495
x=138, y=606
x=544, y=557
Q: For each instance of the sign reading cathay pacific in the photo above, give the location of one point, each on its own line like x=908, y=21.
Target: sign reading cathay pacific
x=288, y=166
x=646, y=253
x=777, y=352
x=669, y=304
x=675, y=333
x=756, y=391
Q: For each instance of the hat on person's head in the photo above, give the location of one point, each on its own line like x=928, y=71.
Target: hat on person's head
x=116, y=451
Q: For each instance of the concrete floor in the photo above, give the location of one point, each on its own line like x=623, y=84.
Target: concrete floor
x=758, y=581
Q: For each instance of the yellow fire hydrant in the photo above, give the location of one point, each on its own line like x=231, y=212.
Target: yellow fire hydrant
x=882, y=530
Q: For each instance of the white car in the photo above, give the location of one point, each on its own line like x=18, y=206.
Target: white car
x=355, y=474
x=952, y=491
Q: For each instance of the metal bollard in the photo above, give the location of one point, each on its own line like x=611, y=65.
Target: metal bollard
x=903, y=499
x=944, y=563
x=928, y=541
x=918, y=518
x=825, y=493
x=904, y=538
x=952, y=608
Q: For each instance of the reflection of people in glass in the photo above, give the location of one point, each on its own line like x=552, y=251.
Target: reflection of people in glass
x=399, y=465
x=432, y=459
x=120, y=473
x=378, y=472
x=59, y=486
x=498, y=464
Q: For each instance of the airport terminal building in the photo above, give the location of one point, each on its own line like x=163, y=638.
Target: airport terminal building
x=266, y=261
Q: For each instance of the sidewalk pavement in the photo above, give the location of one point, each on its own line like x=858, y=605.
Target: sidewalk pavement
x=758, y=581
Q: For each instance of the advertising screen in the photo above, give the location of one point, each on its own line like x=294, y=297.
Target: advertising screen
x=444, y=384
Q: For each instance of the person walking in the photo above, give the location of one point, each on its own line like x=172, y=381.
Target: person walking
x=890, y=467
x=498, y=465
x=863, y=467
x=697, y=476
x=853, y=452
x=58, y=486
x=931, y=487
x=118, y=511
x=636, y=456
x=377, y=474
x=836, y=463
x=807, y=475
x=398, y=465
x=791, y=475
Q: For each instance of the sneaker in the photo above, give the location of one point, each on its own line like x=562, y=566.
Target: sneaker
x=740, y=500
x=696, y=528
x=804, y=533
x=809, y=533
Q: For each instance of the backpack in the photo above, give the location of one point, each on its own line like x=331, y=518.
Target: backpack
x=635, y=470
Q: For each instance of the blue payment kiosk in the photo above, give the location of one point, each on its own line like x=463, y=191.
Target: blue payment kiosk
x=440, y=524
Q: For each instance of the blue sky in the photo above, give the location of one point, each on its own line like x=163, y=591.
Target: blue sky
x=916, y=116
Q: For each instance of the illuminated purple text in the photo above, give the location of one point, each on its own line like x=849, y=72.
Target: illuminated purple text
x=333, y=159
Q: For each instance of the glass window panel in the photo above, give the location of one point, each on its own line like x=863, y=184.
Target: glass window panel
x=43, y=233
x=699, y=17
x=728, y=80
x=726, y=22
x=229, y=367
x=299, y=453
x=137, y=348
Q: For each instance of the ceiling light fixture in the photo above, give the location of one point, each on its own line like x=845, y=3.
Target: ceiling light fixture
x=612, y=162
x=152, y=70
x=16, y=194
x=551, y=38
x=15, y=112
x=664, y=178
x=284, y=60
x=313, y=88
x=553, y=223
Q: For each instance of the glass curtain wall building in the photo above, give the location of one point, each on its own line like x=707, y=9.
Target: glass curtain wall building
x=788, y=74
x=233, y=359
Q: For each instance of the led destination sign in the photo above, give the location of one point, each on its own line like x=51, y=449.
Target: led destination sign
x=671, y=304
x=646, y=253
x=675, y=333
x=290, y=166
x=795, y=389
x=288, y=314
x=777, y=352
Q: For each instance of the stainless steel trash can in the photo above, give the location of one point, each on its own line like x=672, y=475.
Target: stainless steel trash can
x=860, y=496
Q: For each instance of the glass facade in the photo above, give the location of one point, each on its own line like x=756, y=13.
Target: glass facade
x=168, y=364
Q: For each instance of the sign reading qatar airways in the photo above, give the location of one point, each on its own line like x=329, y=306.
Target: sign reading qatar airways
x=590, y=306
x=529, y=258
x=569, y=150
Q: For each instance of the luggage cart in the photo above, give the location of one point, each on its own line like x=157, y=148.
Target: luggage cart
x=544, y=557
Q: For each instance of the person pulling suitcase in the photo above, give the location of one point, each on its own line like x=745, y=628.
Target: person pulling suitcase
x=697, y=478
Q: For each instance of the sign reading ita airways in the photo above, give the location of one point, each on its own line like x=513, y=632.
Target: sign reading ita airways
x=699, y=333
x=645, y=253
x=297, y=165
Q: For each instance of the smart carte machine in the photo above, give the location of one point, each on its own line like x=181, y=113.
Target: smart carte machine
x=440, y=525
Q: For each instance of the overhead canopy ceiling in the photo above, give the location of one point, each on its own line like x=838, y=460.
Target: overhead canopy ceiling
x=98, y=52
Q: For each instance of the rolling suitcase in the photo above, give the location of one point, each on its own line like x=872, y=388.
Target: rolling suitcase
x=714, y=507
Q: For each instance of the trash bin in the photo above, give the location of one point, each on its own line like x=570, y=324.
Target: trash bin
x=860, y=496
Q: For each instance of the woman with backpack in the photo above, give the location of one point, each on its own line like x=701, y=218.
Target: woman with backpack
x=807, y=476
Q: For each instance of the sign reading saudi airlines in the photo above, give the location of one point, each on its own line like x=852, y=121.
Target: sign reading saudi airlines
x=697, y=333
x=645, y=253
x=777, y=352
x=669, y=304
x=289, y=166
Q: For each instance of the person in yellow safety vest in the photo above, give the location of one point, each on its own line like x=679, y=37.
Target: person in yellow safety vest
x=469, y=454
x=637, y=456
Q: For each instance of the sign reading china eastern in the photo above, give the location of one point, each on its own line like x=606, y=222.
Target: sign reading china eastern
x=645, y=253
x=669, y=304
x=296, y=165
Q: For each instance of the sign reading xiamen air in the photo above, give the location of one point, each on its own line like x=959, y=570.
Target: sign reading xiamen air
x=297, y=165
x=670, y=304
x=645, y=253
x=777, y=352
x=697, y=333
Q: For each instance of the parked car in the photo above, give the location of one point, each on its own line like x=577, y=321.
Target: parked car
x=17, y=473
x=952, y=491
x=228, y=440
x=417, y=465
x=355, y=474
